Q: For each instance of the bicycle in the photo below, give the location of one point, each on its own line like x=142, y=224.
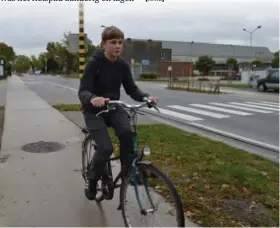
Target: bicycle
x=139, y=167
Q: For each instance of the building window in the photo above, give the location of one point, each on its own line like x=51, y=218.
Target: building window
x=161, y=54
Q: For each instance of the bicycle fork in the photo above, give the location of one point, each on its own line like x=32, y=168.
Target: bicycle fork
x=134, y=180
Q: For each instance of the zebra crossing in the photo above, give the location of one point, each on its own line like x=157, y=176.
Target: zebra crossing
x=218, y=110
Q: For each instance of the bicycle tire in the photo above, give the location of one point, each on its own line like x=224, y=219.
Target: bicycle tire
x=149, y=168
x=88, y=140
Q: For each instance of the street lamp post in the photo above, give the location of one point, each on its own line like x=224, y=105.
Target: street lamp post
x=251, y=33
x=191, y=64
x=251, y=37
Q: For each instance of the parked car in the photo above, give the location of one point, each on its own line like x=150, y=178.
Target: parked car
x=270, y=82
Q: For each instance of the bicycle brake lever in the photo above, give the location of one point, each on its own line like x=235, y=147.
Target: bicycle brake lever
x=156, y=109
x=102, y=112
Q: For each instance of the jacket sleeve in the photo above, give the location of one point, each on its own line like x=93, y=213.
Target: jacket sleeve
x=130, y=87
x=86, y=92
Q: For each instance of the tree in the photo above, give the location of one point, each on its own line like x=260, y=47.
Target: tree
x=34, y=63
x=42, y=61
x=21, y=64
x=232, y=61
x=7, y=51
x=57, y=58
x=275, y=60
x=204, y=64
x=257, y=62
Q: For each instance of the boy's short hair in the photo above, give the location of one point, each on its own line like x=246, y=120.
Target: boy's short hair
x=112, y=32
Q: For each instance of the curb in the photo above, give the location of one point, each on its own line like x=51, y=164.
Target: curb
x=272, y=148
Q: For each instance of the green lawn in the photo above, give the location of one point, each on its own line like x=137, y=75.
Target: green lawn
x=220, y=178
x=238, y=86
x=67, y=107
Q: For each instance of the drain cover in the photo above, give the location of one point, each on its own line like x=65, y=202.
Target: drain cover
x=42, y=147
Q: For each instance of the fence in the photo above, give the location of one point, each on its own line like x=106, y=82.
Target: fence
x=190, y=84
x=137, y=69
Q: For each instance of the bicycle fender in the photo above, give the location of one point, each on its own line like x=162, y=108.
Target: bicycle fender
x=145, y=162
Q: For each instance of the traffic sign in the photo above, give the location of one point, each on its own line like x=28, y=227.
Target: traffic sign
x=145, y=62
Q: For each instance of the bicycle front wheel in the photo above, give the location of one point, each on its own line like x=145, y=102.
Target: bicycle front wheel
x=169, y=214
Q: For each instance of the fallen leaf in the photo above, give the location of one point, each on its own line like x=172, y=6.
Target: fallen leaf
x=172, y=212
x=225, y=186
x=190, y=214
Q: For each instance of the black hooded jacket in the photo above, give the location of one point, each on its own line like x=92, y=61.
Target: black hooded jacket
x=103, y=78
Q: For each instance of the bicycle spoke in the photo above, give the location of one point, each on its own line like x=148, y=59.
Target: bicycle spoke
x=151, y=196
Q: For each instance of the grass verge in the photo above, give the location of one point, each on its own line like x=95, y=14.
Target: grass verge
x=218, y=184
x=237, y=86
x=193, y=90
x=151, y=80
x=67, y=107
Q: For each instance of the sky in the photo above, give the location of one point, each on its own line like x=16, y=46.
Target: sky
x=27, y=26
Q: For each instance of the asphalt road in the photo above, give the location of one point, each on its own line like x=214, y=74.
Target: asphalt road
x=249, y=115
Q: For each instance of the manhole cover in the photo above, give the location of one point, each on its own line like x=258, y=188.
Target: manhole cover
x=42, y=147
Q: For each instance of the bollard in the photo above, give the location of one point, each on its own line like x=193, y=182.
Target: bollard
x=82, y=50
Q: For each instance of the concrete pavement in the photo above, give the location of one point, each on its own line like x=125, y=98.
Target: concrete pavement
x=46, y=189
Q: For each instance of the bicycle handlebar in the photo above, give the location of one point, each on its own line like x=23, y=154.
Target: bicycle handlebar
x=111, y=105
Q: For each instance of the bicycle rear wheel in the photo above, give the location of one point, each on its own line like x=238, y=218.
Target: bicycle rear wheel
x=88, y=150
x=169, y=211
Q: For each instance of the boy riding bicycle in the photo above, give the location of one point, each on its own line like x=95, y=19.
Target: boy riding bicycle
x=104, y=74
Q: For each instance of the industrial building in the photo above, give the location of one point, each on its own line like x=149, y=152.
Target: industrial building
x=156, y=56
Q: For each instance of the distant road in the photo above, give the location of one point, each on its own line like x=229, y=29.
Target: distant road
x=249, y=115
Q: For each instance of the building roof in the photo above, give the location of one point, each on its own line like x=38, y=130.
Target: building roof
x=195, y=49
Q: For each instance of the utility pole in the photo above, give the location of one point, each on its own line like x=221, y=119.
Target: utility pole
x=82, y=50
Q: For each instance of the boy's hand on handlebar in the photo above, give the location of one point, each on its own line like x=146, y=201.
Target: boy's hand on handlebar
x=99, y=101
x=153, y=99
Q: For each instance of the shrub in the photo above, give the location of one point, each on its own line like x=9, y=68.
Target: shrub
x=148, y=76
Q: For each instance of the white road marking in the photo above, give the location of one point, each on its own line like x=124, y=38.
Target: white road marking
x=198, y=111
x=266, y=102
x=222, y=109
x=254, y=106
x=265, y=105
x=63, y=86
x=176, y=114
x=241, y=108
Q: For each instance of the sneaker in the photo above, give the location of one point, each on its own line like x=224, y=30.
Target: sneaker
x=90, y=189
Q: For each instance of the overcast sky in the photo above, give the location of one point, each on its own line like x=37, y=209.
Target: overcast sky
x=28, y=26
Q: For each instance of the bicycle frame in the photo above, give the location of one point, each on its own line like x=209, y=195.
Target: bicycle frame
x=132, y=117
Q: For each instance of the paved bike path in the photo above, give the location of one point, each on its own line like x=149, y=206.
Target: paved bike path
x=45, y=189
